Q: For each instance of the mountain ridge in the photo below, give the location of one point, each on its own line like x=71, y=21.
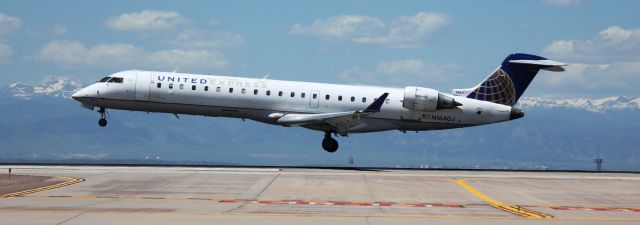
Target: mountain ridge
x=60, y=86
x=40, y=122
x=55, y=86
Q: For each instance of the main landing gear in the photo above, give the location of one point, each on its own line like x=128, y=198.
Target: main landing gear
x=328, y=143
x=102, y=122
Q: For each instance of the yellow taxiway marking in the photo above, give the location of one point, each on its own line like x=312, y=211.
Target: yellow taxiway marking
x=521, y=211
x=70, y=181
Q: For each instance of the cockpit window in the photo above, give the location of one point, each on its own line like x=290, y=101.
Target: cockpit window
x=116, y=80
x=104, y=79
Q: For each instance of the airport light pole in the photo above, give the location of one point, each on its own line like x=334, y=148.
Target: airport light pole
x=598, y=162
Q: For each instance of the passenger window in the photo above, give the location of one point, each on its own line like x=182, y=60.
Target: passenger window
x=218, y=89
x=326, y=97
x=181, y=86
x=255, y=91
x=206, y=88
x=170, y=86
x=280, y=93
x=315, y=96
x=364, y=99
x=230, y=90
x=268, y=92
x=302, y=95
x=339, y=97
x=193, y=87
x=353, y=98
x=244, y=91
x=293, y=94
x=159, y=85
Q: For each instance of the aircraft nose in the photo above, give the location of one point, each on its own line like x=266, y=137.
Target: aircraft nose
x=79, y=94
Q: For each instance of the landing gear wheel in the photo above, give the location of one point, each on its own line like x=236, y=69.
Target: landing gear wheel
x=328, y=143
x=102, y=122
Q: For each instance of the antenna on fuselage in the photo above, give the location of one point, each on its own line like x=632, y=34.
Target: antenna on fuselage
x=175, y=70
x=265, y=76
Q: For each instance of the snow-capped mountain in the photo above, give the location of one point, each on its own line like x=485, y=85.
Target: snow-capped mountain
x=49, y=86
x=594, y=105
x=568, y=136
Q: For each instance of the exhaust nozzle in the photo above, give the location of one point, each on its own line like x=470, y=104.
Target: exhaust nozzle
x=516, y=113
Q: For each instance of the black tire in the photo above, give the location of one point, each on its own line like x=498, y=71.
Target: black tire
x=330, y=144
x=102, y=122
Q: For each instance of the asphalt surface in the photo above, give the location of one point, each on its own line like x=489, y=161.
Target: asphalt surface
x=15, y=183
x=192, y=195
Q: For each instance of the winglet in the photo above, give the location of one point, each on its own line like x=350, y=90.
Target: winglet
x=375, y=106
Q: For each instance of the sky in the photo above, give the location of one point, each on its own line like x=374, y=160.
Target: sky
x=436, y=44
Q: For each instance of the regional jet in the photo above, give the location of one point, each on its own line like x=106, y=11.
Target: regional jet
x=334, y=109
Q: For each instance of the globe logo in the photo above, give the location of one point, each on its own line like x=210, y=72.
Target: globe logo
x=498, y=88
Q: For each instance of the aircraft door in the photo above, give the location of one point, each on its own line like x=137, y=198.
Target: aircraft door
x=314, y=99
x=142, y=86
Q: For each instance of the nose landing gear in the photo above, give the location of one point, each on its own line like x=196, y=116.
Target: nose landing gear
x=103, y=121
x=328, y=143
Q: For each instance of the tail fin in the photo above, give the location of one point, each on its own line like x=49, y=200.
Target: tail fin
x=508, y=82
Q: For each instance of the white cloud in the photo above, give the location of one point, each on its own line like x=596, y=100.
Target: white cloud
x=5, y=53
x=64, y=52
x=114, y=54
x=74, y=53
x=611, y=44
x=341, y=27
x=617, y=34
x=188, y=58
x=147, y=20
x=609, y=61
x=563, y=2
x=403, y=32
x=561, y=47
x=205, y=39
x=59, y=29
x=402, y=73
x=621, y=76
x=8, y=23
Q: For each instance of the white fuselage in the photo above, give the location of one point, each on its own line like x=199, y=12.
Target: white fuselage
x=257, y=99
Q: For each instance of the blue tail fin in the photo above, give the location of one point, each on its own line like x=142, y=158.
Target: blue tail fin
x=509, y=81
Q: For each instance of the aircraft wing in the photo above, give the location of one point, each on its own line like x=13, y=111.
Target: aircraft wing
x=339, y=121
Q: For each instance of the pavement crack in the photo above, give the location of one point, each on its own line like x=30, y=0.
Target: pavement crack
x=257, y=195
x=373, y=199
x=266, y=187
x=70, y=218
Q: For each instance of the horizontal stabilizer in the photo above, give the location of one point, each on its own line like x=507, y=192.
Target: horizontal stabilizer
x=546, y=64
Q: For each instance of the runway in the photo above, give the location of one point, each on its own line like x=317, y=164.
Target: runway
x=192, y=195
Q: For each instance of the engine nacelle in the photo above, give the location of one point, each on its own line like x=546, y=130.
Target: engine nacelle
x=426, y=99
